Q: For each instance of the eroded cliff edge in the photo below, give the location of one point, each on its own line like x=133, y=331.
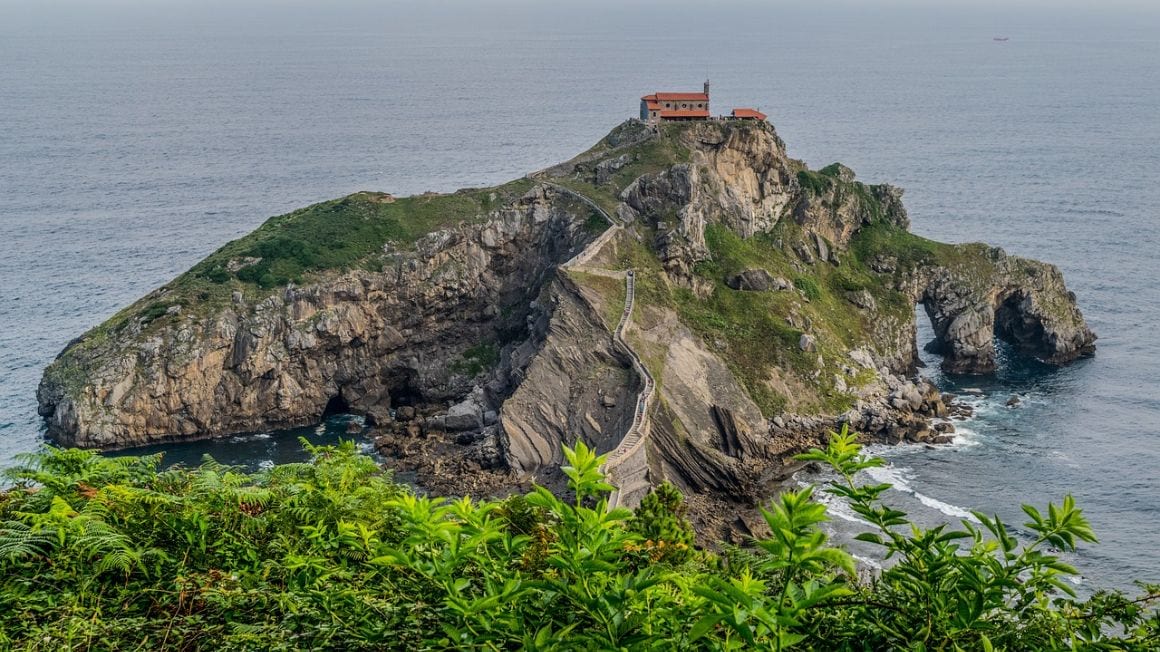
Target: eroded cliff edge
x=772, y=303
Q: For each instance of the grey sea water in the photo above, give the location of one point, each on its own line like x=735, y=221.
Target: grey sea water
x=134, y=140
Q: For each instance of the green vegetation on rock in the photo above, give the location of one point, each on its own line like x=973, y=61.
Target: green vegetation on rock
x=345, y=233
x=102, y=553
x=477, y=359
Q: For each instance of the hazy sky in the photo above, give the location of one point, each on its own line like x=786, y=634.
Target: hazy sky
x=1127, y=19
x=1087, y=6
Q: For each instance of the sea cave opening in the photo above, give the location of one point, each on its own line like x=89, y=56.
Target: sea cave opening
x=403, y=388
x=1022, y=331
x=335, y=406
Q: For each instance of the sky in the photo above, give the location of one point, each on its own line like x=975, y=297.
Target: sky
x=63, y=16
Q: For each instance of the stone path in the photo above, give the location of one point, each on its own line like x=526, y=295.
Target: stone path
x=624, y=469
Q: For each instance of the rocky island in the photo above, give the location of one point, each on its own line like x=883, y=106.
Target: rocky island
x=684, y=296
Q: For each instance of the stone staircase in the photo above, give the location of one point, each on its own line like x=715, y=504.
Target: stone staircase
x=626, y=467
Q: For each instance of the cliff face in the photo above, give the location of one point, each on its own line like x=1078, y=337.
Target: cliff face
x=772, y=302
x=422, y=329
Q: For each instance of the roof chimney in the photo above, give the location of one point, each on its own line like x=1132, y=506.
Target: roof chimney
x=706, y=87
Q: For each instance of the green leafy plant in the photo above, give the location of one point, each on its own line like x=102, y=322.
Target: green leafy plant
x=116, y=553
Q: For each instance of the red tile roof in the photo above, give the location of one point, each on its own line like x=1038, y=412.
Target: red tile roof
x=683, y=97
x=685, y=113
x=749, y=113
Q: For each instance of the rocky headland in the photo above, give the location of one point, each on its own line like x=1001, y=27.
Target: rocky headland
x=480, y=331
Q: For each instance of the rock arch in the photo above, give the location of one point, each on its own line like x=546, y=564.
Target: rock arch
x=1022, y=302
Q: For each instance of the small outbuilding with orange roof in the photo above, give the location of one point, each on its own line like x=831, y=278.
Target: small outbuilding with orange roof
x=748, y=114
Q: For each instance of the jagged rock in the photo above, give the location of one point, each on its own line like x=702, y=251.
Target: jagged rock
x=732, y=433
x=804, y=253
x=757, y=280
x=352, y=339
x=840, y=384
x=863, y=299
x=808, y=343
x=823, y=248
x=487, y=452
x=606, y=168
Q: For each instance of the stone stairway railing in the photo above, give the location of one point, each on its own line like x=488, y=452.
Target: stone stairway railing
x=634, y=437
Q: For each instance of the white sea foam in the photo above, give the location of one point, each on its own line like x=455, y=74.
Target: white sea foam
x=867, y=562
x=900, y=477
x=965, y=437
x=237, y=439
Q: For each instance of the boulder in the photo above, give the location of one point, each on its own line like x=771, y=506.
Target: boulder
x=823, y=248
x=863, y=299
x=804, y=253
x=466, y=415
x=608, y=167
x=808, y=343
x=757, y=280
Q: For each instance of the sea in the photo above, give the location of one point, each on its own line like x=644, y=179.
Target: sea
x=138, y=137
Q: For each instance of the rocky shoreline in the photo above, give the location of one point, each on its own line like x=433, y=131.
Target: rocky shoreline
x=458, y=453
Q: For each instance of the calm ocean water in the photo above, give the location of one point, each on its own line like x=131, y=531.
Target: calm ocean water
x=134, y=142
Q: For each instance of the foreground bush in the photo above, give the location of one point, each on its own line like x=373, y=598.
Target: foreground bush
x=104, y=553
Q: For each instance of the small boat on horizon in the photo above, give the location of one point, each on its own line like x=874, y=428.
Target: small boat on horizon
x=1001, y=39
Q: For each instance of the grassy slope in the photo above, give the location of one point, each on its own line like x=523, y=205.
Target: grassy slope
x=612, y=294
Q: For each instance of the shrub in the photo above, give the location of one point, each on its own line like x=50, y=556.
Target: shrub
x=115, y=553
x=660, y=521
x=154, y=311
x=808, y=286
x=596, y=223
x=815, y=183
x=477, y=359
